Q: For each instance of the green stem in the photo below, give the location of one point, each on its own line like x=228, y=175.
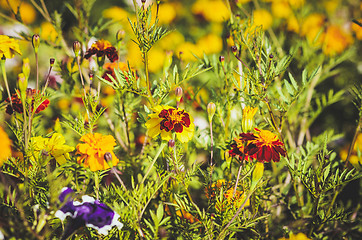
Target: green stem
x=163, y=145
x=37, y=72
x=149, y=93
x=96, y=184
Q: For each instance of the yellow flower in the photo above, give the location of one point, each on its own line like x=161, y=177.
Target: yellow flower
x=299, y=236
x=167, y=120
x=156, y=59
x=355, y=159
x=5, y=144
x=292, y=24
x=357, y=29
x=312, y=26
x=166, y=13
x=210, y=43
x=48, y=32
x=247, y=120
x=281, y=9
x=26, y=10
x=55, y=146
x=8, y=47
x=187, y=50
x=171, y=41
x=262, y=17
x=296, y=3
x=336, y=40
x=116, y=13
x=93, y=149
x=212, y=11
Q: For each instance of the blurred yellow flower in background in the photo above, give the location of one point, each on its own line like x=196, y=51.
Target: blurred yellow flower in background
x=55, y=146
x=312, y=26
x=357, y=29
x=166, y=13
x=5, y=144
x=8, y=47
x=92, y=151
x=115, y=13
x=187, y=50
x=48, y=32
x=156, y=58
x=356, y=157
x=26, y=10
x=296, y=3
x=262, y=17
x=281, y=9
x=210, y=43
x=299, y=236
x=336, y=40
x=211, y=10
x=171, y=41
x=293, y=24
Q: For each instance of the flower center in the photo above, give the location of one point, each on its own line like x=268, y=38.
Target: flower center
x=267, y=137
x=174, y=119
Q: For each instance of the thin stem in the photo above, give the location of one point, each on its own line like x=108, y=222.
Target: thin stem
x=358, y=129
x=37, y=71
x=47, y=80
x=118, y=137
x=85, y=93
x=113, y=170
x=2, y=62
x=149, y=93
x=237, y=180
x=163, y=145
x=126, y=122
x=211, y=143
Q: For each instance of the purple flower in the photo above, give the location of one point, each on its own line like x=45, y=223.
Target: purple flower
x=90, y=213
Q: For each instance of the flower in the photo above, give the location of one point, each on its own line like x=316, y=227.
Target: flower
x=212, y=11
x=48, y=32
x=54, y=146
x=336, y=40
x=236, y=199
x=299, y=236
x=18, y=105
x=167, y=120
x=263, y=146
x=237, y=149
x=8, y=47
x=5, y=144
x=247, y=120
x=90, y=213
x=102, y=48
x=355, y=158
x=93, y=149
x=263, y=18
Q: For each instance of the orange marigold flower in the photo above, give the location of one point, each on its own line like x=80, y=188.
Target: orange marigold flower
x=18, y=106
x=263, y=146
x=94, y=148
x=102, y=48
x=166, y=120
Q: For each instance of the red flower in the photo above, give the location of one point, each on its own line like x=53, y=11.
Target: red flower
x=18, y=106
x=102, y=48
x=263, y=146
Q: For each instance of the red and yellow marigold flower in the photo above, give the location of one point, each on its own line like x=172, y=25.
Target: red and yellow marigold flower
x=92, y=151
x=167, y=120
x=102, y=48
x=264, y=146
x=18, y=106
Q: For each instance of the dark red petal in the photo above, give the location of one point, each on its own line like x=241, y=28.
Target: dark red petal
x=280, y=150
x=186, y=120
x=251, y=149
x=247, y=136
x=268, y=152
x=178, y=127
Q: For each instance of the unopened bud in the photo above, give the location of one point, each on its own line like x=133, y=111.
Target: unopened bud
x=178, y=93
x=211, y=109
x=52, y=61
x=76, y=48
x=23, y=84
x=35, y=41
x=143, y=1
x=26, y=67
x=108, y=157
x=247, y=120
x=120, y=35
x=234, y=49
x=271, y=56
x=257, y=174
x=221, y=59
x=91, y=75
x=171, y=143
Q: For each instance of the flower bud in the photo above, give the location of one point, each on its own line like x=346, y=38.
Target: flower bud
x=247, y=121
x=35, y=41
x=171, y=143
x=120, y=35
x=222, y=60
x=234, y=49
x=108, y=157
x=178, y=93
x=271, y=56
x=257, y=174
x=52, y=61
x=26, y=67
x=76, y=48
x=211, y=109
x=23, y=84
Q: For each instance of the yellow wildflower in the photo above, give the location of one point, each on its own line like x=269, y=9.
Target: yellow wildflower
x=5, y=144
x=187, y=50
x=156, y=59
x=212, y=11
x=357, y=29
x=115, y=13
x=8, y=47
x=336, y=40
x=312, y=26
x=262, y=17
x=167, y=120
x=281, y=9
x=166, y=13
x=299, y=236
x=55, y=146
x=210, y=43
x=48, y=32
x=93, y=149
